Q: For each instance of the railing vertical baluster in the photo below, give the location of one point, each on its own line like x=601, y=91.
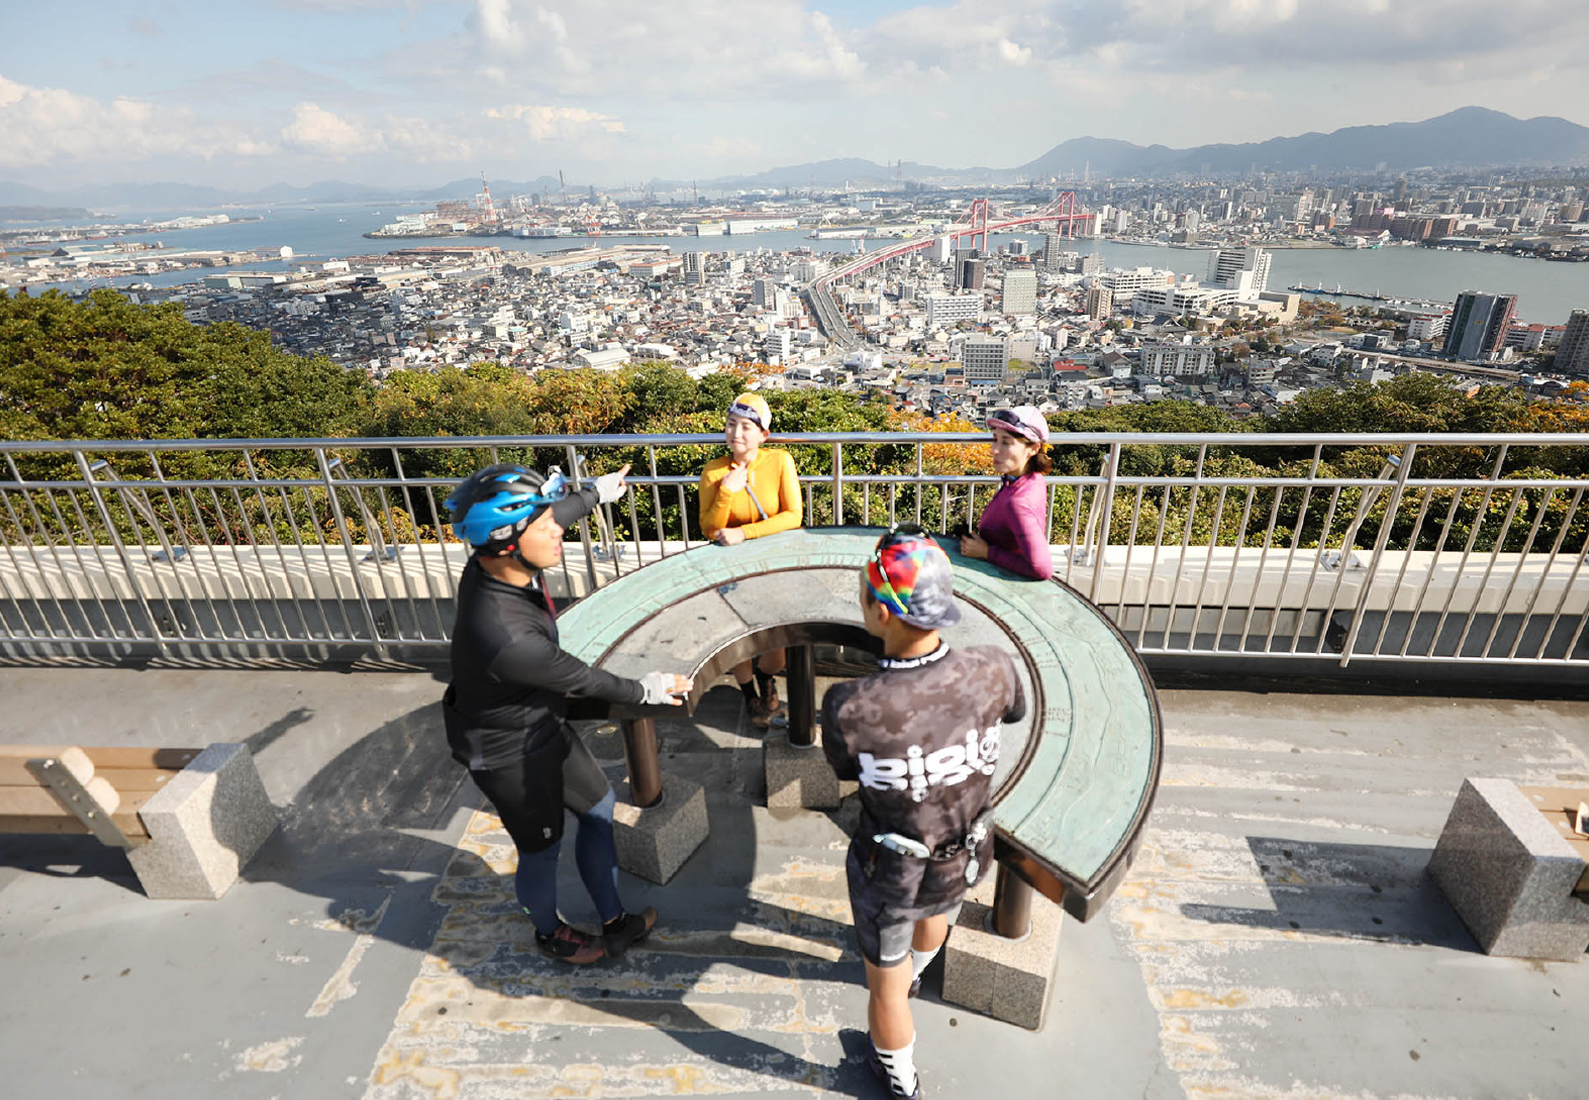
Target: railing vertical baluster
x=1403, y=471
x=1401, y=574
x=370, y=624
x=1544, y=577
x=121, y=551
x=1291, y=555
x=1489, y=568
x=838, y=484
x=1235, y=564
x=44, y=534
x=1511, y=586
x=656, y=501
x=1467, y=551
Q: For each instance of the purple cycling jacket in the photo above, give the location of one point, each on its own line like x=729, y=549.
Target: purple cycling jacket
x=1015, y=526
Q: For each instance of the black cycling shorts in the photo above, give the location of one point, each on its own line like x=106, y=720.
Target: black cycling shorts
x=884, y=924
x=531, y=794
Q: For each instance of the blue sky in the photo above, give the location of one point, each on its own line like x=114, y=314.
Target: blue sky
x=420, y=92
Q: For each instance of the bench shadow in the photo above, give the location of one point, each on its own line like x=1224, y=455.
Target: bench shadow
x=363, y=833
x=1350, y=891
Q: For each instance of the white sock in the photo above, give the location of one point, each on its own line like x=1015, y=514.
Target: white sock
x=921, y=960
x=901, y=1066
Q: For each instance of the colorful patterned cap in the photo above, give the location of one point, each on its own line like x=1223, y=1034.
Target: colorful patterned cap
x=911, y=576
x=752, y=406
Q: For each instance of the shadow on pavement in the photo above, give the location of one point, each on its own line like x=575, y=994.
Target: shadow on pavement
x=1351, y=891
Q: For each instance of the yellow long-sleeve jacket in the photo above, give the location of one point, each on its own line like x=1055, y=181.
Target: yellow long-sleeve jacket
x=772, y=476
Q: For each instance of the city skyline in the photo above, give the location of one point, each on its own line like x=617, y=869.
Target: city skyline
x=420, y=92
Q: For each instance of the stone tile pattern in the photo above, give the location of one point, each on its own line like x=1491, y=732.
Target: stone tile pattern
x=1510, y=876
x=204, y=826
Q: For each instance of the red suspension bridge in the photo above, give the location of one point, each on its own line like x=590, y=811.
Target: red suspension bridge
x=1064, y=212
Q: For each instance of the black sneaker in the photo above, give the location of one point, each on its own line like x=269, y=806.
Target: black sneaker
x=880, y=1071
x=628, y=930
x=570, y=945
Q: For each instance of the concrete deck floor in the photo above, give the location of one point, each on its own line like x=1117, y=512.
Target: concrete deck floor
x=1277, y=938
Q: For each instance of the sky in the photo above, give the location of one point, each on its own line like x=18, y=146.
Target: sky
x=421, y=92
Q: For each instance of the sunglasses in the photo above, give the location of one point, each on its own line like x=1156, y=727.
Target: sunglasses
x=900, y=532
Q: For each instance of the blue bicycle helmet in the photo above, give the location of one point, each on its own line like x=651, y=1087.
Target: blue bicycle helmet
x=493, y=506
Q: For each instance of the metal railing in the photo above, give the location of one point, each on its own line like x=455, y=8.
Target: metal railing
x=1321, y=550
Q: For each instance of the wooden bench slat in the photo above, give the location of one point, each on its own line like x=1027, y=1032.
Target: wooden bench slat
x=109, y=756
x=63, y=824
x=38, y=802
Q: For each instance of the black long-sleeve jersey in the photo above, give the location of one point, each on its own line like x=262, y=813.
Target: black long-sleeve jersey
x=922, y=736
x=510, y=680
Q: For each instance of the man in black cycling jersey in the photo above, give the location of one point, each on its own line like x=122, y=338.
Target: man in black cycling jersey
x=505, y=708
x=922, y=737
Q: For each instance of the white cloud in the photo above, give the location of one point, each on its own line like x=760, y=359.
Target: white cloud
x=553, y=123
x=40, y=126
x=316, y=130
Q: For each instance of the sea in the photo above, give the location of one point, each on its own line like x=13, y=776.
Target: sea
x=1546, y=291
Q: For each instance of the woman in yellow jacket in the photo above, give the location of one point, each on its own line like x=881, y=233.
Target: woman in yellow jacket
x=748, y=493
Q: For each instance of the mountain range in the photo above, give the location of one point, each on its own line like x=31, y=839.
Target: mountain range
x=1471, y=137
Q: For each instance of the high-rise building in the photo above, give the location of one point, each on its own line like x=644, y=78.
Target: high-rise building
x=763, y=292
x=1244, y=270
x=1100, y=302
x=1053, y=252
x=1020, y=291
x=972, y=273
x=694, y=268
x=985, y=359
x=1478, y=324
x=940, y=250
x=1091, y=264
x=1572, y=356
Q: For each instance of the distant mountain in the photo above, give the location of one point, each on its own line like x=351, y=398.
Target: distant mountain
x=42, y=213
x=1469, y=137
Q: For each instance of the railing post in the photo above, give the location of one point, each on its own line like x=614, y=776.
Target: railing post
x=1108, y=494
x=584, y=531
x=1404, y=464
x=838, y=484
x=158, y=635
x=353, y=558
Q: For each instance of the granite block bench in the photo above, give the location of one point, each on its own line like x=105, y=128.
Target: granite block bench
x=189, y=819
x=1513, y=864
x=1075, y=780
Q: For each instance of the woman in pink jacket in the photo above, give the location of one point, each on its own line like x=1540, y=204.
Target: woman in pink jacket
x=1013, y=531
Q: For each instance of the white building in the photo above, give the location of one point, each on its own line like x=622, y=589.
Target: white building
x=607, y=359
x=1020, y=291
x=940, y=250
x=985, y=359
x=1161, y=358
x=946, y=309
x=1428, y=326
x=1181, y=299
x=775, y=346
x=694, y=268
x=1244, y=270
x=1125, y=283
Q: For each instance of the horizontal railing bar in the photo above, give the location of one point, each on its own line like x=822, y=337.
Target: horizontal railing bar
x=1153, y=439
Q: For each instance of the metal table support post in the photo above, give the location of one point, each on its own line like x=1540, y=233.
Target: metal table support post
x=801, y=673
x=640, y=753
x=1012, y=905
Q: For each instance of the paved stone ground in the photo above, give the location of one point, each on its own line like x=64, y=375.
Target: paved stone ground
x=1277, y=939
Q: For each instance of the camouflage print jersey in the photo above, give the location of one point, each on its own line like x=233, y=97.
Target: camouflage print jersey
x=922, y=737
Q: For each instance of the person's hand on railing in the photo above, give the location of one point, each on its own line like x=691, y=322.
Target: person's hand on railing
x=737, y=478
x=729, y=536
x=665, y=688
x=973, y=546
x=609, y=487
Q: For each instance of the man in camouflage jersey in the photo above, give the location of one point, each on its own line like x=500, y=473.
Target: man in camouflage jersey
x=922, y=737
